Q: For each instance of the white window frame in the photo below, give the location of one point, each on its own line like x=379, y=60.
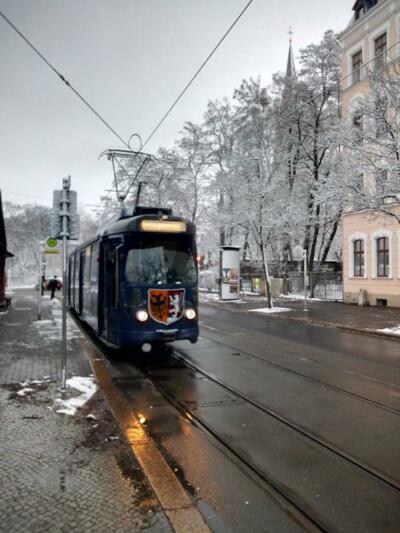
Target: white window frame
x=374, y=237
x=383, y=28
x=358, y=237
x=358, y=47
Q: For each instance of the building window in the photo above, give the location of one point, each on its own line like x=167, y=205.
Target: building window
x=358, y=251
x=356, y=63
x=362, y=6
x=380, y=51
x=382, y=257
x=381, y=185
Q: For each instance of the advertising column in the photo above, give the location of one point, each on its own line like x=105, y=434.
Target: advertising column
x=230, y=270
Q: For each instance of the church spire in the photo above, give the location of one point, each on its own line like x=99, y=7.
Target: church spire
x=290, y=67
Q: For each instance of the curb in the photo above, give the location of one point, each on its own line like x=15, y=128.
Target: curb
x=182, y=513
x=311, y=322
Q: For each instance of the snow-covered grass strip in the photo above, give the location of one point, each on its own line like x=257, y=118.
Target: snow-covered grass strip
x=300, y=297
x=268, y=310
x=395, y=330
x=83, y=389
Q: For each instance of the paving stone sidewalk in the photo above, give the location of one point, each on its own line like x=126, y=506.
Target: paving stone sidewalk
x=334, y=314
x=61, y=473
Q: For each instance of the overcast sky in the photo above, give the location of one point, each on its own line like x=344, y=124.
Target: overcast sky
x=129, y=59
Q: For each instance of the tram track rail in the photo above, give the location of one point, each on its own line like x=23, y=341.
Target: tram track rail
x=287, y=498
x=187, y=411
x=309, y=435
x=297, y=514
x=316, y=380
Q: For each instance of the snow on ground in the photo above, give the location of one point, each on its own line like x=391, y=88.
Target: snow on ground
x=11, y=287
x=268, y=310
x=300, y=297
x=395, y=330
x=29, y=387
x=50, y=329
x=82, y=390
x=209, y=295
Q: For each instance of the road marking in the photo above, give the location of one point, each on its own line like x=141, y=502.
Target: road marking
x=178, y=506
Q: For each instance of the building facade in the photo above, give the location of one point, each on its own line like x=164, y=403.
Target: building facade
x=371, y=258
x=371, y=238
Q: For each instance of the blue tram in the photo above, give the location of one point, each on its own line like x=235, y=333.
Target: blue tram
x=135, y=284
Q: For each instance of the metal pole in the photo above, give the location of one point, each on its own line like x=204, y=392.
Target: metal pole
x=40, y=282
x=64, y=233
x=305, y=279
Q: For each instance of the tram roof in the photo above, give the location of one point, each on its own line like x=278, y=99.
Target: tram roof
x=125, y=223
x=133, y=223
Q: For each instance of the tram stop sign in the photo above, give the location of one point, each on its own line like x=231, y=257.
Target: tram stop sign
x=52, y=246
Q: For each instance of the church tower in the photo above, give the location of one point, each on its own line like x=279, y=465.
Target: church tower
x=290, y=67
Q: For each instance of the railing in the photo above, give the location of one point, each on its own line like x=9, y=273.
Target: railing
x=322, y=285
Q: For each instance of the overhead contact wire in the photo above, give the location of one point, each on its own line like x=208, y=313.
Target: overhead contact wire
x=64, y=80
x=197, y=73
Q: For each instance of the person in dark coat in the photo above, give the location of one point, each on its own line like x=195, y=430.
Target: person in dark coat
x=44, y=284
x=53, y=285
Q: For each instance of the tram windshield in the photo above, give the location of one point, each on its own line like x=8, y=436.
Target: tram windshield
x=157, y=262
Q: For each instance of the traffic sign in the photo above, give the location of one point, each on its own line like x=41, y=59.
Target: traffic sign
x=51, y=242
x=71, y=214
x=50, y=252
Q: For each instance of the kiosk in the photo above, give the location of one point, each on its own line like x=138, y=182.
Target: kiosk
x=230, y=272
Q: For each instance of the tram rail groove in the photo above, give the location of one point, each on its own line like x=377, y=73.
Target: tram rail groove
x=309, y=435
x=284, y=497
x=275, y=488
x=277, y=316
x=296, y=513
x=315, y=380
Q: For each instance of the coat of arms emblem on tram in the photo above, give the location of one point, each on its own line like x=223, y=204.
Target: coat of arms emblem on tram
x=166, y=306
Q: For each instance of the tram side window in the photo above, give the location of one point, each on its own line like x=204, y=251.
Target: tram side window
x=94, y=271
x=86, y=275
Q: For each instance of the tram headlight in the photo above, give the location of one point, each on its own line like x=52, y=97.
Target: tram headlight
x=142, y=315
x=190, y=314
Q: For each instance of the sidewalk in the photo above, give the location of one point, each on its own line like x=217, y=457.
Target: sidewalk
x=61, y=473
x=367, y=320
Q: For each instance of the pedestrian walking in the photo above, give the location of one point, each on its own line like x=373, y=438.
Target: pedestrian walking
x=53, y=285
x=44, y=284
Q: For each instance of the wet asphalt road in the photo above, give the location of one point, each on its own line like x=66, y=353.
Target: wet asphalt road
x=275, y=425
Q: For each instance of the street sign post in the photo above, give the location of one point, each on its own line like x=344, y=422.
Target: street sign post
x=65, y=225
x=40, y=278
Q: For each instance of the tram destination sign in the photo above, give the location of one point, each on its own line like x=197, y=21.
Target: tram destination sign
x=167, y=226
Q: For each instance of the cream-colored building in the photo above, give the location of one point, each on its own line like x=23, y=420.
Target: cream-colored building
x=371, y=240
x=371, y=258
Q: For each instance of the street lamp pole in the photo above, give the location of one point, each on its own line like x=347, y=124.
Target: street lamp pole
x=305, y=278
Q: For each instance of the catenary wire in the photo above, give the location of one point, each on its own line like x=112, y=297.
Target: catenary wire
x=279, y=120
x=197, y=73
x=64, y=80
